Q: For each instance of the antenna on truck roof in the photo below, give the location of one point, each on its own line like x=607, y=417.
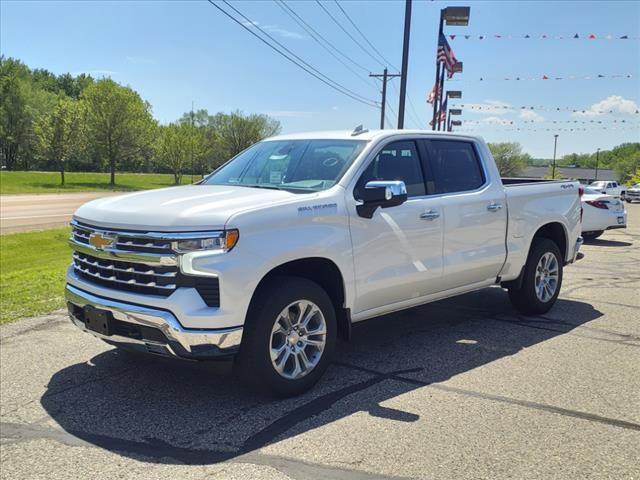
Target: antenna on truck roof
x=358, y=130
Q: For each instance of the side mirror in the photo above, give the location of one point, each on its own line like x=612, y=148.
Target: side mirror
x=381, y=193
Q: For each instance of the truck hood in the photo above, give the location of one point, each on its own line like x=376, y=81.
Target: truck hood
x=188, y=208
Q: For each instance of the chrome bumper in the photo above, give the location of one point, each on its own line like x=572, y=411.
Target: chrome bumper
x=152, y=330
x=576, y=250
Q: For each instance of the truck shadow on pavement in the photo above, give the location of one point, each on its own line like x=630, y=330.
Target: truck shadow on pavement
x=163, y=412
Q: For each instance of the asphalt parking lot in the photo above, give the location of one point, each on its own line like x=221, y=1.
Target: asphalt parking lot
x=462, y=388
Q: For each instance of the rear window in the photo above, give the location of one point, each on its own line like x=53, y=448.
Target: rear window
x=455, y=166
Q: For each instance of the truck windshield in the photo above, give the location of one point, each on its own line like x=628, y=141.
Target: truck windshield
x=295, y=165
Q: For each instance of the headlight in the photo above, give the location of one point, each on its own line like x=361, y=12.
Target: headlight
x=218, y=241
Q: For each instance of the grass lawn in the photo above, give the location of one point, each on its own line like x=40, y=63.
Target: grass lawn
x=49, y=182
x=32, y=271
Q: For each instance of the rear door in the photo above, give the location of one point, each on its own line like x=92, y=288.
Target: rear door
x=398, y=252
x=474, y=211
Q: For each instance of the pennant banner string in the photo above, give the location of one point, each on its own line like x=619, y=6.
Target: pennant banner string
x=543, y=36
x=494, y=108
x=545, y=77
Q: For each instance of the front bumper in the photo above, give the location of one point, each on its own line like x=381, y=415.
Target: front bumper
x=153, y=330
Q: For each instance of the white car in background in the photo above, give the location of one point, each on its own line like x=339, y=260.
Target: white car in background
x=632, y=193
x=612, y=188
x=600, y=213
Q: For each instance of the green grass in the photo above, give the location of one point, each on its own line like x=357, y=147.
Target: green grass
x=32, y=272
x=49, y=182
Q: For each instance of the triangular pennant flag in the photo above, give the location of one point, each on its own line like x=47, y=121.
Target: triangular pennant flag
x=517, y=78
x=600, y=76
x=527, y=36
x=576, y=36
x=544, y=77
x=481, y=37
x=452, y=37
x=592, y=37
x=498, y=36
x=481, y=79
x=467, y=37
x=544, y=36
x=624, y=37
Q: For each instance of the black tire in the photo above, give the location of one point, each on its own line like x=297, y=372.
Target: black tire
x=592, y=235
x=253, y=363
x=524, y=298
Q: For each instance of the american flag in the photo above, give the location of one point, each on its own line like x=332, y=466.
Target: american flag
x=432, y=95
x=442, y=114
x=445, y=55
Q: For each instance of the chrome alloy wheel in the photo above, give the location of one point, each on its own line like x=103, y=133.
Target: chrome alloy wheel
x=546, y=281
x=298, y=338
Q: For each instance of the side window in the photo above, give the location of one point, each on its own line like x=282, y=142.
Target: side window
x=609, y=185
x=455, y=166
x=396, y=161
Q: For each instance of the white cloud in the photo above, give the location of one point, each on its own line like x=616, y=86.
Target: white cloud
x=612, y=104
x=496, y=121
x=531, y=116
x=494, y=107
x=275, y=29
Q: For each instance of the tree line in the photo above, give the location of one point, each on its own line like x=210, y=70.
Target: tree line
x=78, y=123
x=624, y=159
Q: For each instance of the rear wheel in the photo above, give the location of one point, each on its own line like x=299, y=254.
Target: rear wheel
x=542, y=279
x=592, y=235
x=289, y=337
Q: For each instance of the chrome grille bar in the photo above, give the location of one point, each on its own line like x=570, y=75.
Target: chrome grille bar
x=131, y=269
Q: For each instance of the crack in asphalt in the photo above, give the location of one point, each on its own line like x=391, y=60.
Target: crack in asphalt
x=155, y=448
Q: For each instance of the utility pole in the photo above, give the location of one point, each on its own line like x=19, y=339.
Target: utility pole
x=192, y=161
x=405, y=63
x=597, y=159
x=553, y=169
x=385, y=77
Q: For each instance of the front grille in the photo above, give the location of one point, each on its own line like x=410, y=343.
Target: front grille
x=132, y=277
x=136, y=262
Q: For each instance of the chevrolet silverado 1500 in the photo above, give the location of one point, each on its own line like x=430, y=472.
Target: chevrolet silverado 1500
x=275, y=254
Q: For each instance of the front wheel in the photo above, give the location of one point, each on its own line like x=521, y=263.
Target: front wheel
x=542, y=280
x=289, y=337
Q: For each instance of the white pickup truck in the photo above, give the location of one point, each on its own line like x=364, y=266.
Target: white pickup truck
x=274, y=255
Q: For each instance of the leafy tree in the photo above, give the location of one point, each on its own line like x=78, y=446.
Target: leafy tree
x=635, y=178
x=626, y=158
x=236, y=132
x=119, y=122
x=58, y=132
x=509, y=158
x=554, y=176
x=178, y=144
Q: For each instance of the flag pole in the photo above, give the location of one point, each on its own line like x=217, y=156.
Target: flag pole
x=442, y=96
x=435, y=99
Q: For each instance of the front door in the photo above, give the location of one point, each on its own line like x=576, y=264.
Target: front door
x=398, y=252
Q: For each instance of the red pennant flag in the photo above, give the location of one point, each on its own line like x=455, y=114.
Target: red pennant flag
x=544, y=77
x=592, y=37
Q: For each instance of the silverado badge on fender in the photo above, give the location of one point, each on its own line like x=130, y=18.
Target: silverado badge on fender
x=100, y=241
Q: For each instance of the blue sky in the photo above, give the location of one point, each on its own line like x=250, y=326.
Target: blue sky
x=174, y=53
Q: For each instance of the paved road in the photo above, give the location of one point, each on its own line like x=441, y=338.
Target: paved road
x=463, y=388
x=35, y=212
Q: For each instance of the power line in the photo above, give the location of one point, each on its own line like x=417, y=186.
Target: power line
x=315, y=36
x=412, y=112
x=335, y=20
x=324, y=39
x=310, y=70
x=363, y=35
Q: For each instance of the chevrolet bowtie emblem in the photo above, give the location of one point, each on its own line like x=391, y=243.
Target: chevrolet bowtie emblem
x=100, y=241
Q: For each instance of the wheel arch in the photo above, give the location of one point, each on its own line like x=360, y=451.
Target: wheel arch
x=325, y=273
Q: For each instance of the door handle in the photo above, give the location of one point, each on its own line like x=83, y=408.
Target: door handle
x=494, y=207
x=430, y=215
